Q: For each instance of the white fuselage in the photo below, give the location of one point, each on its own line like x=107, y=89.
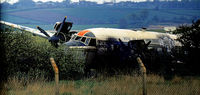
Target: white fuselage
x=125, y=35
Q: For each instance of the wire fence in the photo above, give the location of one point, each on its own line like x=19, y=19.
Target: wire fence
x=130, y=84
x=102, y=85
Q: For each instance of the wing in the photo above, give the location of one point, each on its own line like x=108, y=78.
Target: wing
x=24, y=28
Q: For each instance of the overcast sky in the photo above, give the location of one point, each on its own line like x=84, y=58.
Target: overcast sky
x=98, y=1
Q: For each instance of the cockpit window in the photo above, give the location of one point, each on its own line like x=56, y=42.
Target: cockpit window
x=89, y=34
x=83, y=39
x=92, y=42
x=74, y=36
x=78, y=38
x=87, y=41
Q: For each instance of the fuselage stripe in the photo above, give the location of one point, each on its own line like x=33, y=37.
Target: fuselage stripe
x=82, y=33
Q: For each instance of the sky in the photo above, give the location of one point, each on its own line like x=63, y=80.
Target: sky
x=98, y=1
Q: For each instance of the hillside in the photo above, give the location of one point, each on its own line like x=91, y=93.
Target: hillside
x=99, y=17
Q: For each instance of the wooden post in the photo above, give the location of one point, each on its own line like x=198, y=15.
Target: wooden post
x=143, y=71
x=55, y=68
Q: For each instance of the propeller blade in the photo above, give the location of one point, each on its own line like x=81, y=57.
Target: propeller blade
x=61, y=25
x=122, y=43
x=146, y=45
x=43, y=31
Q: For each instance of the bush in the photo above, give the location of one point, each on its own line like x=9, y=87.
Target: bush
x=28, y=55
x=189, y=36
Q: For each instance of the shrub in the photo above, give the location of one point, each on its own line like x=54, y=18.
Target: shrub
x=189, y=36
x=29, y=56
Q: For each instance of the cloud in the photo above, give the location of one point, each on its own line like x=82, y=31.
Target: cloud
x=9, y=1
x=15, y=1
x=48, y=0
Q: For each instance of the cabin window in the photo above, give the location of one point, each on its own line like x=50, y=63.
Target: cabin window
x=92, y=42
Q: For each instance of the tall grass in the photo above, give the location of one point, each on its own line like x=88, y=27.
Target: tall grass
x=102, y=85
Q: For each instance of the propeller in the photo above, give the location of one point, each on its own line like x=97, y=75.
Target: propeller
x=43, y=31
x=139, y=44
x=135, y=47
x=60, y=36
x=61, y=25
x=139, y=47
x=122, y=43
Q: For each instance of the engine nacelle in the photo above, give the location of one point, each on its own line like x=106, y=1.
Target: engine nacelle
x=64, y=33
x=66, y=27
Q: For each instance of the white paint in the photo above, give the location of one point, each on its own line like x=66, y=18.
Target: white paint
x=105, y=33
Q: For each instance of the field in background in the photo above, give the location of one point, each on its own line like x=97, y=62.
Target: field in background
x=99, y=17
x=75, y=27
x=115, y=85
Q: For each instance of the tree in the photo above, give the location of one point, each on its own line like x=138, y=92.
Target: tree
x=189, y=36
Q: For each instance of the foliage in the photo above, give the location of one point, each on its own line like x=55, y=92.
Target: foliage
x=26, y=54
x=189, y=36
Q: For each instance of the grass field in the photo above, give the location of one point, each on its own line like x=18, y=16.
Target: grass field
x=115, y=85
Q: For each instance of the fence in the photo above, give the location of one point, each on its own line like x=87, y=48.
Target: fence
x=109, y=85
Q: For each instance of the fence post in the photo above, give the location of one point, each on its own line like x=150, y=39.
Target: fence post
x=55, y=68
x=143, y=71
